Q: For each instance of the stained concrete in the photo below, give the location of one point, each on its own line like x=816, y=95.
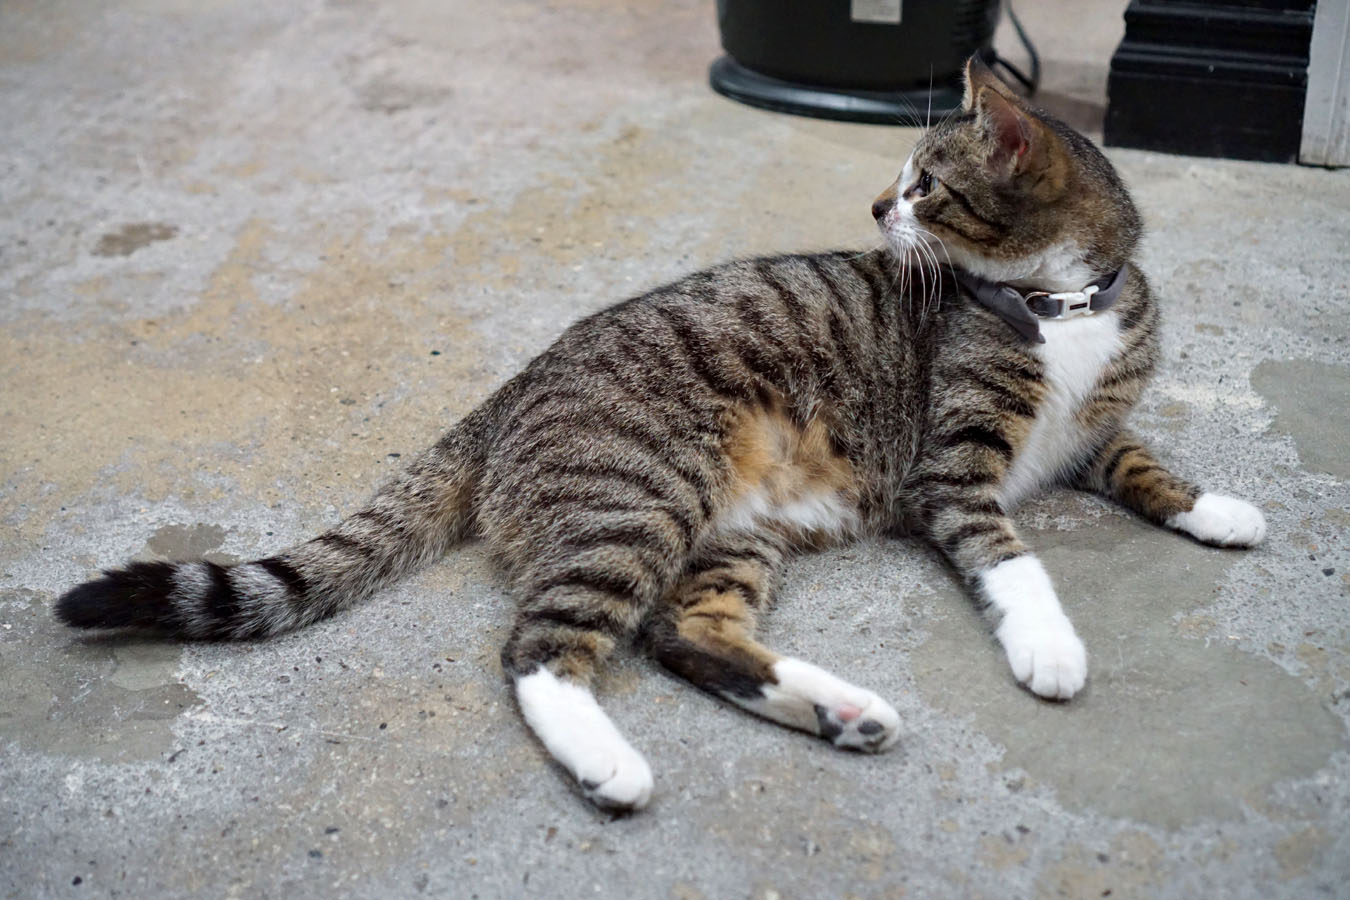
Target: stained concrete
x=1309, y=402
x=254, y=255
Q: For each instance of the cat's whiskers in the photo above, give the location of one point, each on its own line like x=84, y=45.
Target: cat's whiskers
x=915, y=269
x=928, y=246
x=928, y=120
x=904, y=276
x=910, y=118
x=899, y=282
x=923, y=276
x=902, y=273
x=914, y=256
x=929, y=297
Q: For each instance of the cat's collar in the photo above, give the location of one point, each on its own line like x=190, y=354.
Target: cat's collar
x=1023, y=310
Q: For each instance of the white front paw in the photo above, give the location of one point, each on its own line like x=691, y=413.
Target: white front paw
x=1045, y=653
x=1222, y=521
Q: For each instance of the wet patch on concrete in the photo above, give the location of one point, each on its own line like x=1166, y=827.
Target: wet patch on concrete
x=1175, y=725
x=189, y=542
x=130, y=238
x=1309, y=401
x=107, y=698
x=389, y=97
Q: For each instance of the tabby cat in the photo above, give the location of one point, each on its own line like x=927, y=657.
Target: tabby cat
x=645, y=478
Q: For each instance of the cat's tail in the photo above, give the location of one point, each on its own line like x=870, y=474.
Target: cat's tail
x=409, y=522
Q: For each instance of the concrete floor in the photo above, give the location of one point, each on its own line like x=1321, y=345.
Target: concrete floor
x=252, y=252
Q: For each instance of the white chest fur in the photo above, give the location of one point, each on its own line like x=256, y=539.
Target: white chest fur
x=1075, y=352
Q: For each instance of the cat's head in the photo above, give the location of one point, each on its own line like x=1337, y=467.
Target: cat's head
x=1011, y=193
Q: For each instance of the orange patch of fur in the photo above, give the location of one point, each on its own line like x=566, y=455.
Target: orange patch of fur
x=721, y=623
x=769, y=453
x=577, y=662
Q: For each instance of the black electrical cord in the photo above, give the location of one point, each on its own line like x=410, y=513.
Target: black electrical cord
x=1030, y=82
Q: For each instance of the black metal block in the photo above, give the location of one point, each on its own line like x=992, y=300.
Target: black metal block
x=1211, y=79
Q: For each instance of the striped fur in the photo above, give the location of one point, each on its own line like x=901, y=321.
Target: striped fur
x=648, y=474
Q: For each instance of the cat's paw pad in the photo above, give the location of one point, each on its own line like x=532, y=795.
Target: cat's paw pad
x=618, y=779
x=810, y=698
x=1222, y=521
x=1045, y=654
x=871, y=727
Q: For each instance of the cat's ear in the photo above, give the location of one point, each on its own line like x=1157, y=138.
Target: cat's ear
x=977, y=77
x=1016, y=142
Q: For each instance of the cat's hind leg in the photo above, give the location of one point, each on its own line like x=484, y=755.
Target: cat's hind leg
x=558, y=641
x=704, y=632
x=592, y=578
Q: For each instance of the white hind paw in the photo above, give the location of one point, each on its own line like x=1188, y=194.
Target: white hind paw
x=1222, y=521
x=809, y=698
x=871, y=728
x=1045, y=654
x=619, y=782
x=576, y=731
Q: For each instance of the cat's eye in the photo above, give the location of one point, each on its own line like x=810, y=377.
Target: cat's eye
x=924, y=186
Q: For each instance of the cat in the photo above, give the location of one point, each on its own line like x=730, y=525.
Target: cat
x=645, y=478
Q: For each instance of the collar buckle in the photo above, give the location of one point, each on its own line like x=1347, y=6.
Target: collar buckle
x=1062, y=305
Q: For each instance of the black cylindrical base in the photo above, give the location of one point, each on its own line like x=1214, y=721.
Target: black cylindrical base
x=916, y=106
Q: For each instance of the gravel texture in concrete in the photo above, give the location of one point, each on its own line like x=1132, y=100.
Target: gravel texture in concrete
x=254, y=255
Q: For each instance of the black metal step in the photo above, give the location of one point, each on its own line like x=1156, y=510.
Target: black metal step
x=1211, y=79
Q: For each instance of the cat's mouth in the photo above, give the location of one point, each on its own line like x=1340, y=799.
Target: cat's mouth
x=913, y=245
x=901, y=230
x=919, y=255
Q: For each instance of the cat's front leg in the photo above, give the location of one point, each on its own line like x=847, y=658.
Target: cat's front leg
x=970, y=528
x=1125, y=471
x=1043, y=649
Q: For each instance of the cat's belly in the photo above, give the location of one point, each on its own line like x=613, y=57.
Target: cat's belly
x=787, y=479
x=1075, y=352
x=813, y=517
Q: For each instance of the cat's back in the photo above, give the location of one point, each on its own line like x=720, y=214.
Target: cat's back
x=783, y=325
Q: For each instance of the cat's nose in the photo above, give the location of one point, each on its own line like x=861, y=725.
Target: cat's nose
x=882, y=205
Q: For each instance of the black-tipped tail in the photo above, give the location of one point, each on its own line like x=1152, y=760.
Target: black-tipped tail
x=201, y=600
x=134, y=597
